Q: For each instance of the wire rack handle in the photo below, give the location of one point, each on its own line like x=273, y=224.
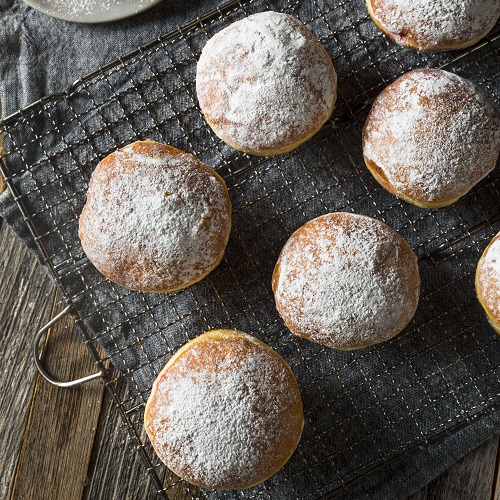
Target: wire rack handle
x=38, y=359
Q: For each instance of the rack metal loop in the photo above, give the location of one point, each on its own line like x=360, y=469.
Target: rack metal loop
x=38, y=359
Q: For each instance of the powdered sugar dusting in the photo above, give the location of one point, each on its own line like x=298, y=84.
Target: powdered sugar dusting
x=346, y=281
x=265, y=82
x=433, y=23
x=433, y=135
x=83, y=9
x=221, y=414
x=154, y=221
x=489, y=277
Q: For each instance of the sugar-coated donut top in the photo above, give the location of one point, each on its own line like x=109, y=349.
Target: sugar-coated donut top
x=226, y=414
x=489, y=278
x=156, y=218
x=265, y=82
x=346, y=281
x=432, y=134
x=435, y=23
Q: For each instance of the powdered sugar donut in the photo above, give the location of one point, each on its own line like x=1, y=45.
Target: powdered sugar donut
x=346, y=281
x=488, y=282
x=225, y=412
x=430, y=137
x=434, y=24
x=156, y=218
x=265, y=84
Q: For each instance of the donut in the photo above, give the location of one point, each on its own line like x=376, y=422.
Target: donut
x=265, y=84
x=430, y=25
x=225, y=412
x=346, y=281
x=430, y=137
x=156, y=218
x=488, y=282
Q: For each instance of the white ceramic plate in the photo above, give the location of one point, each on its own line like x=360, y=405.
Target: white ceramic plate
x=91, y=11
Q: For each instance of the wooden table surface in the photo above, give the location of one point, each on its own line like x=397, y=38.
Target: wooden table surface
x=70, y=443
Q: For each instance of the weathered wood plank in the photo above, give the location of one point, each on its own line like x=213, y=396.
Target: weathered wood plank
x=471, y=478
x=116, y=469
x=59, y=434
x=26, y=301
x=496, y=489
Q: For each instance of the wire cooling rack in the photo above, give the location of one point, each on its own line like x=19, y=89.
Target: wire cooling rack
x=385, y=402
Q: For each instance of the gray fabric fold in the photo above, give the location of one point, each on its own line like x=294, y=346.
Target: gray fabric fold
x=362, y=408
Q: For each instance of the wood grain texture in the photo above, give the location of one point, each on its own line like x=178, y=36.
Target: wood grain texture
x=471, y=478
x=116, y=470
x=58, y=438
x=496, y=488
x=26, y=301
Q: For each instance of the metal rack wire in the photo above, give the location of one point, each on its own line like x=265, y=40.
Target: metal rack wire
x=430, y=382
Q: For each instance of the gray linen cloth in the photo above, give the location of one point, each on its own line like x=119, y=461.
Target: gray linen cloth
x=40, y=55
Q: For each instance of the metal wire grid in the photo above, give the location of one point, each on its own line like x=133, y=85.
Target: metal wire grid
x=418, y=388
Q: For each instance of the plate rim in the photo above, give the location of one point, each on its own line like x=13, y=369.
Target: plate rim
x=35, y=4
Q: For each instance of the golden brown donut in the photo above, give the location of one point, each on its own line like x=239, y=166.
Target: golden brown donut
x=225, y=412
x=265, y=84
x=430, y=137
x=488, y=282
x=430, y=25
x=156, y=218
x=346, y=281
